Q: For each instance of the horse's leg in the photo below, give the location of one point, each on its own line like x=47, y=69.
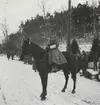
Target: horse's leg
x=44, y=78
x=84, y=70
x=8, y=58
x=74, y=80
x=12, y=57
x=96, y=65
x=66, y=79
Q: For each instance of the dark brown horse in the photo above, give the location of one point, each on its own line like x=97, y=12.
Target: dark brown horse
x=43, y=67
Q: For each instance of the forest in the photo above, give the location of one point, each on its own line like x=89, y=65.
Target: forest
x=40, y=28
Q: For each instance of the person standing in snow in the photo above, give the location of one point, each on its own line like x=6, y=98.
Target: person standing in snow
x=84, y=62
x=95, y=50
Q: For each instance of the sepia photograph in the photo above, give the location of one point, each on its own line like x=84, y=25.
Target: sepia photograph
x=49, y=52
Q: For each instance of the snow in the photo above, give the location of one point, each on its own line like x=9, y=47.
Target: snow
x=92, y=71
x=20, y=85
x=85, y=47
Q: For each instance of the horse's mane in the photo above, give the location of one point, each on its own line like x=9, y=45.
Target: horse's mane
x=36, y=50
x=37, y=46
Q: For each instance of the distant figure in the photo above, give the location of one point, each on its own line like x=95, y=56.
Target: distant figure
x=75, y=47
x=12, y=55
x=84, y=62
x=55, y=56
x=8, y=55
x=95, y=51
x=99, y=64
x=95, y=46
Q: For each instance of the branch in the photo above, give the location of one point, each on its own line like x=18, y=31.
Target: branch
x=42, y=6
x=4, y=29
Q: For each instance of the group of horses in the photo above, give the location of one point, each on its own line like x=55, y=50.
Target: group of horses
x=72, y=67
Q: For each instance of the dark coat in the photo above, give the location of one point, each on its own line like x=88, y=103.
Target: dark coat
x=75, y=47
x=95, y=47
x=55, y=56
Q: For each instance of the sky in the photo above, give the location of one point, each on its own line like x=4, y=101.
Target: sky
x=16, y=11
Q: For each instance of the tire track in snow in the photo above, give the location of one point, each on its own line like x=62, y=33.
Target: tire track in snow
x=85, y=100
x=3, y=98
x=48, y=100
x=90, y=95
x=33, y=91
x=68, y=97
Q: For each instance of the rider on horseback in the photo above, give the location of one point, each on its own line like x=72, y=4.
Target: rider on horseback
x=75, y=47
x=56, y=58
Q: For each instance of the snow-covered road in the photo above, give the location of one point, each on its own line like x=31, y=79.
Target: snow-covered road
x=20, y=85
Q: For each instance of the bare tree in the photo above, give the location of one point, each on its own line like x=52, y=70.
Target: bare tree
x=4, y=29
x=64, y=20
x=42, y=4
x=69, y=26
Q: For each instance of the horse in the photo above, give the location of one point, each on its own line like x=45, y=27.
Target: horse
x=44, y=68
